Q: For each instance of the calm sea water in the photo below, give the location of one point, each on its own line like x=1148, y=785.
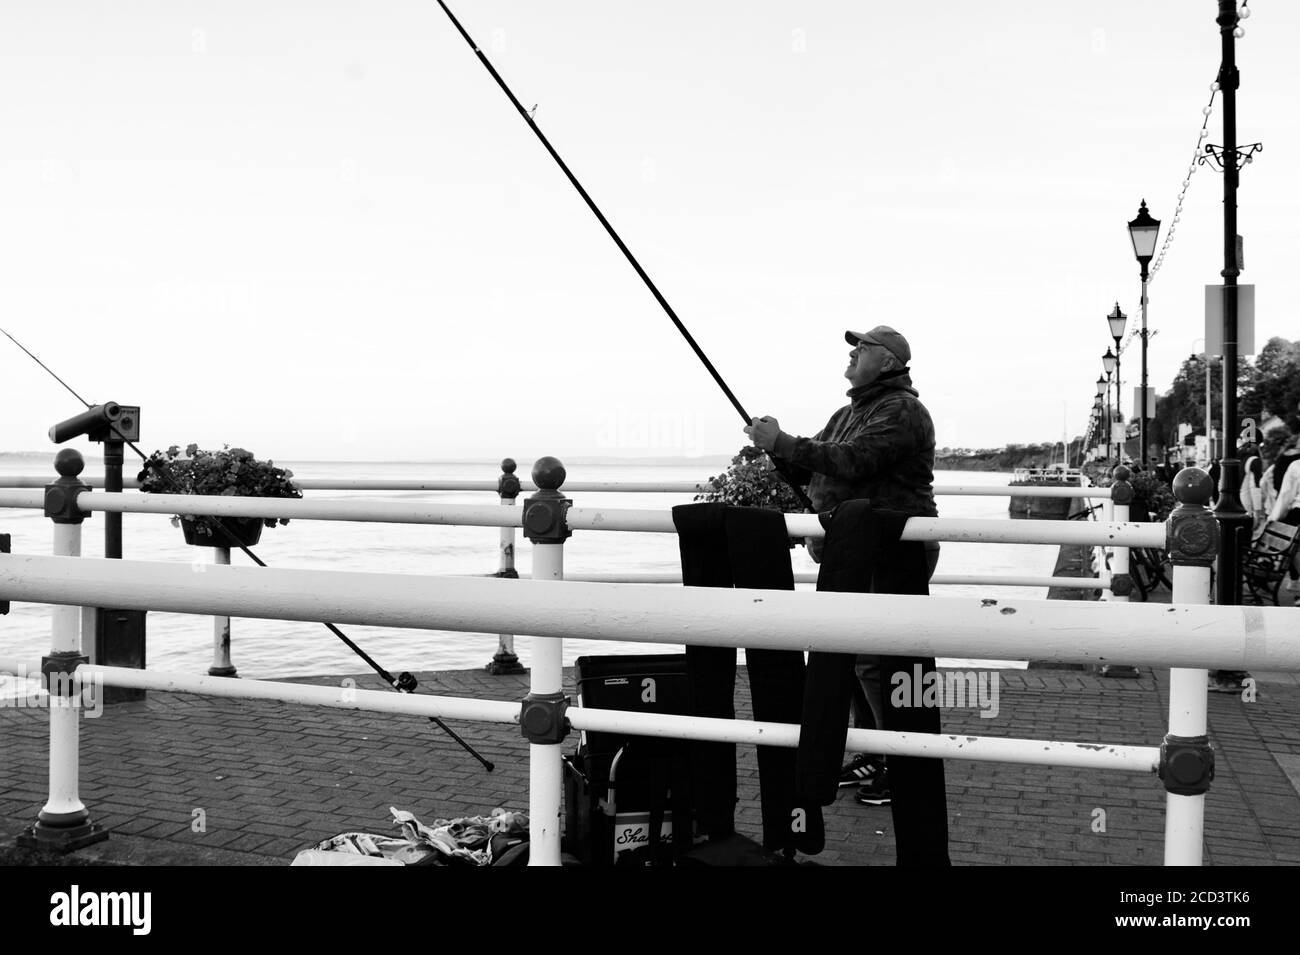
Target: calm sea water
x=271, y=648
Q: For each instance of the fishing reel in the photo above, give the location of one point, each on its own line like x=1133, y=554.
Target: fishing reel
x=405, y=683
x=107, y=422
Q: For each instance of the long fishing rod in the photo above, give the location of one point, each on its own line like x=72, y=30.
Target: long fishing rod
x=404, y=682
x=627, y=253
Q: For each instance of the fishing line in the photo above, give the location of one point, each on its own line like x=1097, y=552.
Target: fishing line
x=627, y=253
x=46, y=367
x=404, y=682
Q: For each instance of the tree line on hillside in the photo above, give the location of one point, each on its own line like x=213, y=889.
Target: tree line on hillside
x=1003, y=459
x=1268, y=387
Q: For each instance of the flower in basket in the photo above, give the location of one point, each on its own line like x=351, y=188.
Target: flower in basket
x=751, y=480
x=230, y=472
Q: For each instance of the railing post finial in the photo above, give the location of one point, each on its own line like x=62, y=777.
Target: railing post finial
x=545, y=510
x=508, y=482
x=61, y=496
x=1192, y=534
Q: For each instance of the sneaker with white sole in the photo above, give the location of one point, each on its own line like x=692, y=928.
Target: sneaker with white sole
x=859, y=769
x=875, y=791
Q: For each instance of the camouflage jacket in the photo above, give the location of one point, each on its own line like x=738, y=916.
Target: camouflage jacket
x=879, y=446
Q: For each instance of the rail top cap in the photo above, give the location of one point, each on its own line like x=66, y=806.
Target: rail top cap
x=548, y=473
x=508, y=465
x=1193, y=487
x=1122, y=473
x=69, y=462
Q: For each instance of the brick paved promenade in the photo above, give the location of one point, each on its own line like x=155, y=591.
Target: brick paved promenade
x=273, y=778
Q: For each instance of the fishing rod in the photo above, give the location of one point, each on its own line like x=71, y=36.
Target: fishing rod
x=404, y=682
x=627, y=253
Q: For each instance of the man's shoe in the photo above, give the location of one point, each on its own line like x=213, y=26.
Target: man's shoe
x=1227, y=681
x=859, y=769
x=875, y=792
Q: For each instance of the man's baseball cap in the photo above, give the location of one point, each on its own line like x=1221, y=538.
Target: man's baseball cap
x=886, y=338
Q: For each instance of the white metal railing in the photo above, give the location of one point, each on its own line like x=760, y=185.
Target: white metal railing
x=805, y=577
x=1120, y=533
x=1221, y=637
x=941, y=626
x=641, y=487
x=1186, y=638
x=505, y=659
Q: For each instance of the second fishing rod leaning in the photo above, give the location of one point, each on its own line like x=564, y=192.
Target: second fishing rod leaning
x=113, y=425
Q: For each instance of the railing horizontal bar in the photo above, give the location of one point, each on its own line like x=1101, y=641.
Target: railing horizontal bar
x=981, y=531
x=804, y=577
x=452, y=484
x=387, y=512
x=587, y=518
x=1040, y=752
x=1227, y=638
x=15, y=667
x=22, y=498
x=639, y=487
x=408, y=484
x=341, y=697
x=1141, y=759
x=1012, y=580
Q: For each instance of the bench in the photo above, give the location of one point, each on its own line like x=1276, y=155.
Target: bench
x=1268, y=561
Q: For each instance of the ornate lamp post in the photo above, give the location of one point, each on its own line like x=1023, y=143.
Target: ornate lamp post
x=1234, y=522
x=1109, y=362
x=1094, y=427
x=1116, y=320
x=1103, y=389
x=1143, y=231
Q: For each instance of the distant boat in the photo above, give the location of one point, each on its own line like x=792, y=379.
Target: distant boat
x=1056, y=475
x=1043, y=508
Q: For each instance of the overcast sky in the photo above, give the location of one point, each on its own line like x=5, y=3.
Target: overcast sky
x=319, y=230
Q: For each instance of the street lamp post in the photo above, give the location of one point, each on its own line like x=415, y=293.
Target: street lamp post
x=1234, y=522
x=1143, y=231
x=1116, y=320
x=1096, y=427
x=1103, y=388
x=1109, y=362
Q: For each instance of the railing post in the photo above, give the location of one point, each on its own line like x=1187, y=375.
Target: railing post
x=505, y=660
x=541, y=718
x=221, y=663
x=1121, y=581
x=64, y=823
x=1186, y=759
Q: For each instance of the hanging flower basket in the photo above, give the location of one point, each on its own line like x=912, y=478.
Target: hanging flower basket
x=230, y=472
x=222, y=531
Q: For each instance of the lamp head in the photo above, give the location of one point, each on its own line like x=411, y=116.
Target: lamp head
x=1143, y=231
x=1116, y=319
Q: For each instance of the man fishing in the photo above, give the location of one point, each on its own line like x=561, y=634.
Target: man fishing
x=879, y=446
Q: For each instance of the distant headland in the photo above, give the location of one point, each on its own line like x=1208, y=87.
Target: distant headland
x=996, y=459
